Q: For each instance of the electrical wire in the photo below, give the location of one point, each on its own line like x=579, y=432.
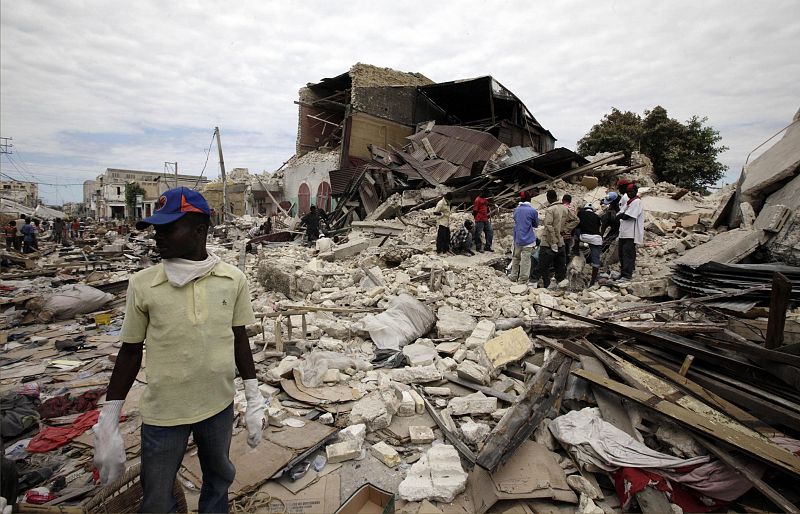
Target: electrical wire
x=208, y=153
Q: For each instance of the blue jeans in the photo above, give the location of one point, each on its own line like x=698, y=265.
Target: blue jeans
x=162, y=452
x=483, y=227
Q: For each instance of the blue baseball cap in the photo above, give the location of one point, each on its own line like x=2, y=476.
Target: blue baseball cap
x=173, y=205
x=611, y=197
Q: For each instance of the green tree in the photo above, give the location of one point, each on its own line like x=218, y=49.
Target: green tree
x=617, y=131
x=132, y=190
x=684, y=154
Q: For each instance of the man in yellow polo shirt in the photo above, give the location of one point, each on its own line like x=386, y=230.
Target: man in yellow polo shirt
x=191, y=309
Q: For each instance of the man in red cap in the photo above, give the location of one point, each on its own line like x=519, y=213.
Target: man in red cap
x=192, y=310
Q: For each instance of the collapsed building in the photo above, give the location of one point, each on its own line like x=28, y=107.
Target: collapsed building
x=401, y=380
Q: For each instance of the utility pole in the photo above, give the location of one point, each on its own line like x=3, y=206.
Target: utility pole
x=5, y=145
x=224, y=178
x=166, y=170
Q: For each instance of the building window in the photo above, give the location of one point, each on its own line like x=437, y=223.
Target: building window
x=6, y=186
x=119, y=190
x=304, y=199
x=324, y=196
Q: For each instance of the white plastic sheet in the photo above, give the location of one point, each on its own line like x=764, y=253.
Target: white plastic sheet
x=405, y=320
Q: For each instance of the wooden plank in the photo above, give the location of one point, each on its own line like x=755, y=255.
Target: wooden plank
x=743, y=469
x=771, y=454
x=778, y=303
x=709, y=397
x=687, y=362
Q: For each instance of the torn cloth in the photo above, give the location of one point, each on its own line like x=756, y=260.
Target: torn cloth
x=597, y=442
x=629, y=481
x=65, y=404
x=50, y=438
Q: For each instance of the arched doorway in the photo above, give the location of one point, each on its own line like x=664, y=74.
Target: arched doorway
x=324, y=196
x=303, y=199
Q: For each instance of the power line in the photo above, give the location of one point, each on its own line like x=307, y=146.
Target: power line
x=208, y=152
x=40, y=183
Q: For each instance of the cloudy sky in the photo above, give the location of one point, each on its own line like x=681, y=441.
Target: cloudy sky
x=86, y=85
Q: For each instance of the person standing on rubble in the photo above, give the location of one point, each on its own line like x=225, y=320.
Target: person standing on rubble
x=526, y=219
x=551, y=250
x=192, y=310
x=311, y=222
x=631, y=232
x=75, y=227
x=57, y=230
x=28, y=236
x=480, y=210
x=11, y=235
x=442, y=211
x=20, y=235
x=589, y=228
x=461, y=241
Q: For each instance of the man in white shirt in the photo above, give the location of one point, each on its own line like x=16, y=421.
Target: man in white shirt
x=631, y=232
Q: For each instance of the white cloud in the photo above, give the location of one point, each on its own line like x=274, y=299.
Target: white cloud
x=160, y=75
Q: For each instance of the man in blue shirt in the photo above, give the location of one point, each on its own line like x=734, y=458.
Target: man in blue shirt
x=526, y=218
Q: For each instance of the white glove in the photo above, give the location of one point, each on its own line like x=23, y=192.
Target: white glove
x=554, y=248
x=109, y=450
x=254, y=417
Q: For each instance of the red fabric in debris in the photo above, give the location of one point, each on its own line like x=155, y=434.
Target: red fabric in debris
x=65, y=404
x=50, y=438
x=481, y=209
x=629, y=481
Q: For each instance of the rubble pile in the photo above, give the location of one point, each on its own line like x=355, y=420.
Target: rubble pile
x=435, y=381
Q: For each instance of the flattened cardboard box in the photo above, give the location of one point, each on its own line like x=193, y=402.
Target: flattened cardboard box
x=532, y=472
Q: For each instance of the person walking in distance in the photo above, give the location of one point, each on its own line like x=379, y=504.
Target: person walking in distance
x=192, y=309
x=483, y=225
x=442, y=211
x=526, y=219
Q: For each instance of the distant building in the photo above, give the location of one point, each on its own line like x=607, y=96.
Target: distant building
x=104, y=197
x=25, y=193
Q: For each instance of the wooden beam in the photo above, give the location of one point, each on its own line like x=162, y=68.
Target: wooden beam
x=778, y=303
x=527, y=412
x=488, y=391
x=687, y=362
x=770, y=453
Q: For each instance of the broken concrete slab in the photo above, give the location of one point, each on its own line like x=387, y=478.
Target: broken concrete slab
x=510, y=346
x=349, y=249
x=419, y=355
x=772, y=168
x=475, y=433
x=453, y=323
x=689, y=221
x=437, y=476
x=472, y=404
x=416, y=374
x=372, y=411
x=474, y=372
x=727, y=247
x=772, y=218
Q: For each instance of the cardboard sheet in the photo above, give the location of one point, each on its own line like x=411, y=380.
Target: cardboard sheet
x=299, y=438
x=532, y=472
x=322, y=496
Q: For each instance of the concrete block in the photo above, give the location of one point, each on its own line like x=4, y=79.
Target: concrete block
x=748, y=214
x=386, y=454
x=582, y=486
x=371, y=410
x=772, y=218
x=448, y=348
x=437, y=391
x=446, y=364
x=437, y=476
x=355, y=433
x=460, y=354
x=472, y=404
x=510, y=346
x=341, y=452
x=421, y=435
x=419, y=403
x=483, y=331
x=474, y=372
x=648, y=288
x=407, y=405
x=727, y=247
